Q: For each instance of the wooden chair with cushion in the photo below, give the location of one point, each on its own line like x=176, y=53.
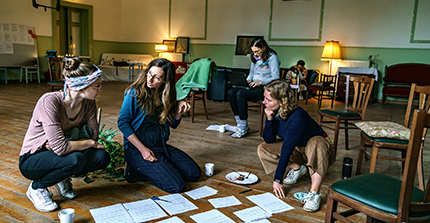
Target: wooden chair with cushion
x=356, y=111
x=392, y=136
x=56, y=80
x=324, y=89
x=381, y=197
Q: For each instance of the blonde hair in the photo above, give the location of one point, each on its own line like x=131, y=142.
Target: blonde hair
x=167, y=90
x=282, y=92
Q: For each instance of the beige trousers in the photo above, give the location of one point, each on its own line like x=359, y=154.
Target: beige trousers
x=317, y=155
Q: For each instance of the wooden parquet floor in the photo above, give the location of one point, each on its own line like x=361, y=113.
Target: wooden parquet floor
x=17, y=101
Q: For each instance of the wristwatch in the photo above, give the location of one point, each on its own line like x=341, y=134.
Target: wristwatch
x=277, y=181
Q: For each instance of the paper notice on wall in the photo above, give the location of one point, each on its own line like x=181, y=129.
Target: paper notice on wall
x=9, y=48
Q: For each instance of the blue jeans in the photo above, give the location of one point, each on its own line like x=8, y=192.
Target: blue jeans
x=169, y=175
x=46, y=168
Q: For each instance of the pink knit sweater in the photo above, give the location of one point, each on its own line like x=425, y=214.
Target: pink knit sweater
x=50, y=120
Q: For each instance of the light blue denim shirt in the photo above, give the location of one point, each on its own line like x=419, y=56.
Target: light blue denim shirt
x=265, y=72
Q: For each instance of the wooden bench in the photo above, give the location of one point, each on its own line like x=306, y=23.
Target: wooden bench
x=399, y=77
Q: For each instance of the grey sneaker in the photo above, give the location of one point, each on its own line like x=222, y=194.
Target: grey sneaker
x=41, y=199
x=311, y=202
x=294, y=175
x=65, y=188
x=240, y=132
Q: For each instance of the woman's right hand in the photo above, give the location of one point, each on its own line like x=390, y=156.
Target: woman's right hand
x=269, y=114
x=278, y=189
x=148, y=155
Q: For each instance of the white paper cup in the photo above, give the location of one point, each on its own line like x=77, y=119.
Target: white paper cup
x=67, y=215
x=222, y=128
x=209, y=169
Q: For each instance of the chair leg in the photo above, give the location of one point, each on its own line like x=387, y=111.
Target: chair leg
x=330, y=209
x=420, y=170
x=360, y=156
x=373, y=160
x=336, y=135
x=193, y=97
x=261, y=119
x=204, y=104
x=346, y=136
x=332, y=100
x=307, y=96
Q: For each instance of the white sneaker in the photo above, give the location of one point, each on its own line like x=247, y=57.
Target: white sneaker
x=41, y=199
x=294, y=175
x=312, y=202
x=239, y=133
x=65, y=188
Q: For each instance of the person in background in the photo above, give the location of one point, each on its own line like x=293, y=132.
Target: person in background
x=264, y=68
x=304, y=144
x=149, y=110
x=298, y=69
x=51, y=152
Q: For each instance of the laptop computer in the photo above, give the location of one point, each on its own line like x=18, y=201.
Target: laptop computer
x=238, y=80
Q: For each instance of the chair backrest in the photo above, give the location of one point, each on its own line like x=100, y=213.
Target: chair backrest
x=328, y=80
x=424, y=102
x=58, y=63
x=420, y=121
x=362, y=86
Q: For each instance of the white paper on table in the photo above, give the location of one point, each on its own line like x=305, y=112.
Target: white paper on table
x=178, y=204
x=224, y=202
x=144, y=210
x=201, y=192
x=172, y=220
x=228, y=128
x=252, y=214
x=270, y=203
x=113, y=213
x=212, y=216
x=262, y=221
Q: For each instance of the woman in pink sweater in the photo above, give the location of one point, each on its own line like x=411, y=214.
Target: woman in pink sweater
x=61, y=140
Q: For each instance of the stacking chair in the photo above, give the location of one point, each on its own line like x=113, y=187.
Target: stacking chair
x=325, y=89
x=55, y=82
x=381, y=197
x=30, y=70
x=394, y=136
x=362, y=86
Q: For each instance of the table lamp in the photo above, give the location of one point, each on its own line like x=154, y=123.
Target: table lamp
x=331, y=52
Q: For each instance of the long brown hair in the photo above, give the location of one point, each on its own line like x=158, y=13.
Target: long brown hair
x=145, y=95
x=262, y=44
x=282, y=92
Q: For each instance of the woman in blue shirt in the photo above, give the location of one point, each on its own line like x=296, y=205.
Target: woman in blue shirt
x=264, y=68
x=304, y=144
x=148, y=111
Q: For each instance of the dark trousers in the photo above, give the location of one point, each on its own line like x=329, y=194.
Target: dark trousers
x=46, y=168
x=239, y=97
x=169, y=175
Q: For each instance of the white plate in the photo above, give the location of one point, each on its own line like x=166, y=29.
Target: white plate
x=232, y=177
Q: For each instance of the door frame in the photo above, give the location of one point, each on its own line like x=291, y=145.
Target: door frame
x=86, y=25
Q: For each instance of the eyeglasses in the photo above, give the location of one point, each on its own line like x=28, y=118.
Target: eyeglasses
x=256, y=52
x=157, y=78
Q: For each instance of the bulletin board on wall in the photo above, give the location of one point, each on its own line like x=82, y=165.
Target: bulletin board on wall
x=17, y=45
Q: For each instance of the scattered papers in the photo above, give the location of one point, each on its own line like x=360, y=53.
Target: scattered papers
x=113, y=213
x=172, y=220
x=270, y=203
x=178, y=204
x=201, y=192
x=144, y=210
x=228, y=128
x=262, y=221
x=213, y=216
x=224, y=202
x=252, y=214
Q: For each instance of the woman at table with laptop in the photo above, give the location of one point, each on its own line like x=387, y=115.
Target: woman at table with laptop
x=304, y=144
x=264, y=68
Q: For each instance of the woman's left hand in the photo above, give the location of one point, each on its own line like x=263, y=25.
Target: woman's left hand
x=255, y=83
x=183, y=106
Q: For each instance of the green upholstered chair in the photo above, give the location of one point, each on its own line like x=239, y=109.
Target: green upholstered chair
x=362, y=87
x=392, y=136
x=381, y=197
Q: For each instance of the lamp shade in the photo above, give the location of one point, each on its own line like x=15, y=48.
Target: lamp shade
x=160, y=48
x=331, y=51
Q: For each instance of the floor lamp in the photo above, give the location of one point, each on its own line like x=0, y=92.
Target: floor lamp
x=331, y=52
